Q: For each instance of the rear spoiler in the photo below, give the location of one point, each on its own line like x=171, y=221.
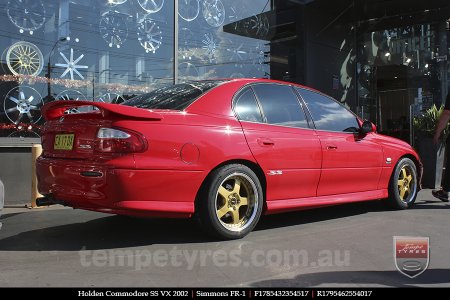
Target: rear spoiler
x=56, y=109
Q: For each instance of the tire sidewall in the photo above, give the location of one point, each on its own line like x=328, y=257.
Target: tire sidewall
x=217, y=178
x=396, y=201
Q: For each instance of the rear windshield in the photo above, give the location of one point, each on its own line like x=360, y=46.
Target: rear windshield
x=176, y=97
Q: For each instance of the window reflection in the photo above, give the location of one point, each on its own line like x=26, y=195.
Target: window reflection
x=328, y=114
x=114, y=50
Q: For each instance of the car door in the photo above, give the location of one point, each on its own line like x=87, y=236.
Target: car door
x=351, y=162
x=280, y=139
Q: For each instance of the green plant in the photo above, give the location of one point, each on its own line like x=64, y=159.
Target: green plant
x=425, y=124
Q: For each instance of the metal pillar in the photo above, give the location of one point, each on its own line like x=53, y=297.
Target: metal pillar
x=175, y=43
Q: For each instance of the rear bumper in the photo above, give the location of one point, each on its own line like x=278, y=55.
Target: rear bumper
x=108, y=189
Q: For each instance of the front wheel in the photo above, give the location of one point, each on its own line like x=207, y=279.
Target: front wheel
x=403, y=185
x=231, y=203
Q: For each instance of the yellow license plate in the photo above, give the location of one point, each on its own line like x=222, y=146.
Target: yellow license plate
x=63, y=141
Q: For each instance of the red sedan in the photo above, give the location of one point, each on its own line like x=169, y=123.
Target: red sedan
x=222, y=151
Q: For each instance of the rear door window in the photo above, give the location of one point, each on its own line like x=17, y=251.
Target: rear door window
x=280, y=105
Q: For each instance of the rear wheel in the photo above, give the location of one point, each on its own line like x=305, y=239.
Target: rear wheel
x=231, y=203
x=403, y=185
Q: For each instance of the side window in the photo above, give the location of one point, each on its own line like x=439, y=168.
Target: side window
x=328, y=114
x=280, y=105
x=247, y=108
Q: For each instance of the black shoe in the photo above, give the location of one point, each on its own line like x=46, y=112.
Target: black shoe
x=440, y=194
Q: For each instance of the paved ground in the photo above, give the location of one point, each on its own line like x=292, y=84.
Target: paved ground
x=349, y=245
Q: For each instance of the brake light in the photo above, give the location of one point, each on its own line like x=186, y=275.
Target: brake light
x=112, y=140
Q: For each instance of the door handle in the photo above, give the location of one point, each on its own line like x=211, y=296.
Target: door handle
x=331, y=147
x=265, y=142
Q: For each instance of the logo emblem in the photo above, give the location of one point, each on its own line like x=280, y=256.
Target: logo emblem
x=61, y=119
x=412, y=255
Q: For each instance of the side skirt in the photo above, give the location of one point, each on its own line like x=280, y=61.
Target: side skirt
x=277, y=206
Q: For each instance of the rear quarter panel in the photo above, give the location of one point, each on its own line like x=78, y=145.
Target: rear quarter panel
x=184, y=148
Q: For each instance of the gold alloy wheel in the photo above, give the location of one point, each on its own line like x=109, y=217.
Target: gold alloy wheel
x=236, y=202
x=405, y=183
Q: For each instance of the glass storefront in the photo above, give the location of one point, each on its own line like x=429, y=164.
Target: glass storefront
x=401, y=72
x=112, y=50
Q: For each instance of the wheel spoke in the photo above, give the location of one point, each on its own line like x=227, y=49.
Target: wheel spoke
x=244, y=201
x=237, y=186
x=224, y=192
x=223, y=211
x=11, y=109
x=64, y=73
x=13, y=99
x=409, y=178
x=400, y=183
x=407, y=192
x=19, y=117
x=235, y=215
x=404, y=173
x=402, y=193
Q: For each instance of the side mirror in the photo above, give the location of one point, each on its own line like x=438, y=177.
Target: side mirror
x=367, y=127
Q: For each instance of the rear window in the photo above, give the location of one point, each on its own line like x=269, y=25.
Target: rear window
x=176, y=97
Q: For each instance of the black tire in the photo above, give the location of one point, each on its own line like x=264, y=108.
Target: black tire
x=403, y=185
x=230, y=203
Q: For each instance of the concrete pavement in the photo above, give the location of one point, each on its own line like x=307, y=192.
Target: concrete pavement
x=341, y=246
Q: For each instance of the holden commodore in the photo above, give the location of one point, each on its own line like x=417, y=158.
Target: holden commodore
x=220, y=151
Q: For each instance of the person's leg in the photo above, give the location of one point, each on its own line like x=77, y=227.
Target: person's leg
x=443, y=194
x=446, y=175
x=2, y=199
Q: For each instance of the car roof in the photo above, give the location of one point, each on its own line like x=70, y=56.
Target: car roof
x=209, y=103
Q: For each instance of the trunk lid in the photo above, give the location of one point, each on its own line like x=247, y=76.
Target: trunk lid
x=73, y=136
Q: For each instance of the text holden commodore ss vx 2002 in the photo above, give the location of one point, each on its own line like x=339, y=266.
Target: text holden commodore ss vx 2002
x=220, y=151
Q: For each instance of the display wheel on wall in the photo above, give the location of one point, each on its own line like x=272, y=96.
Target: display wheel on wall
x=24, y=132
x=149, y=35
x=185, y=49
x=71, y=65
x=187, y=71
x=24, y=58
x=151, y=6
x=27, y=15
x=237, y=75
x=22, y=105
x=257, y=26
x=235, y=14
x=116, y=2
x=214, y=12
x=110, y=98
x=113, y=28
x=73, y=95
x=237, y=55
x=210, y=46
x=258, y=56
x=188, y=10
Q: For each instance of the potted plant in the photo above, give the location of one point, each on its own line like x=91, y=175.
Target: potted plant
x=432, y=155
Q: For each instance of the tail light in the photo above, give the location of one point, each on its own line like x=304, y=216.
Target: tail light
x=112, y=140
